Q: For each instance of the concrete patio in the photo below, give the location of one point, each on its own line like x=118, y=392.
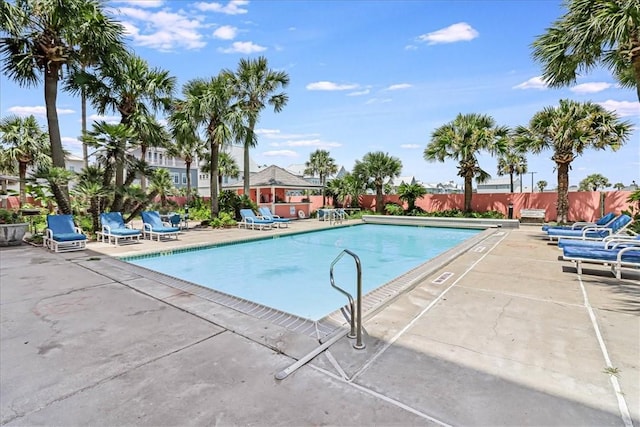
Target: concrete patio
x=512, y=336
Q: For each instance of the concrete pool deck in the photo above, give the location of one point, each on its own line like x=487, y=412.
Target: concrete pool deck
x=510, y=336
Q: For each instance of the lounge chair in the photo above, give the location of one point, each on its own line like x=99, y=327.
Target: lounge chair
x=153, y=226
x=62, y=235
x=602, y=222
x=617, y=226
x=609, y=242
x=250, y=220
x=265, y=213
x=617, y=257
x=114, y=228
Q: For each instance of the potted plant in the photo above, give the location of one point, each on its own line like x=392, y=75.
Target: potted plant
x=12, y=228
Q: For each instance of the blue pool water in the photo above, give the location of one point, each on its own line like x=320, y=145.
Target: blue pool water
x=291, y=273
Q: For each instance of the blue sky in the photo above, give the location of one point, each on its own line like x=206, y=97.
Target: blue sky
x=367, y=75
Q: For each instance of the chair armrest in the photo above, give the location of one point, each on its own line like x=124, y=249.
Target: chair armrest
x=582, y=224
x=106, y=229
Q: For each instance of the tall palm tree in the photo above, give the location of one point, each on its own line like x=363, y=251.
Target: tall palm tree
x=512, y=162
x=594, y=182
x=590, y=33
x=569, y=129
x=542, y=184
x=44, y=37
x=321, y=163
x=254, y=85
x=22, y=143
x=378, y=168
x=462, y=140
x=208, y=104
x=162, y=185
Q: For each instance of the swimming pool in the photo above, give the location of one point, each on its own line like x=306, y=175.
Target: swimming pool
x=291, y=272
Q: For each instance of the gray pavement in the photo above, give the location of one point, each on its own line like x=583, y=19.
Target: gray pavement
x=513, y=337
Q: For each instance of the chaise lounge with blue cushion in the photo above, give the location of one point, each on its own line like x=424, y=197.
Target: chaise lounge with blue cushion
x=616, y=257
x=617, y=226
x=602, y=222
x=62, y=235
x=265, y=213
x=114, y=228
x=250, y=220
x=153, y=226
x=609, y=242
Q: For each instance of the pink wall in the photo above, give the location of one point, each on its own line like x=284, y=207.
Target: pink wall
x=583, y=205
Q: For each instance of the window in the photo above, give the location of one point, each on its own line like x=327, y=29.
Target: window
x=184, y=179
x=176, y=177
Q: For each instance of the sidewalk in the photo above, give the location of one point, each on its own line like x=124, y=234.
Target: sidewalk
x=506, y=339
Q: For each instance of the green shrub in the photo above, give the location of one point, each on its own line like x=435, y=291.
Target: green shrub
x=393, y=209
x=225, y=219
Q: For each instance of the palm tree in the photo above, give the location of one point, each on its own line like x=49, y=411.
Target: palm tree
x=188, y=145
x=321, y=163
x=112, y=143
x=511, y=162
x=128, y=85
x=569, y=129
x=410, y=193
x=377, y=168
x=44, y=36
x=590, y=33
x=618, y=186
x=227, y=166
x=208, y=104
x=24, y=144
x=542, y=184
x=461, y=140
x=593, y=182
x=57, y=180
x=254, y=85
x=89, y=189
x=161, y=185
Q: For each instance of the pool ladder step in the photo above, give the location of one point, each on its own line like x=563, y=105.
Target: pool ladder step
x=354, y=314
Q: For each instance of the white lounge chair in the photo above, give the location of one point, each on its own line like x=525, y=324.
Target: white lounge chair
x=617, y=258
x=265, y=213
x=62, y=235
x=250, y=220
x=153, y=226
x=114, y=228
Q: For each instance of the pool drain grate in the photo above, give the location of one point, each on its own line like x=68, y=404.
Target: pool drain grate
x=442, y=278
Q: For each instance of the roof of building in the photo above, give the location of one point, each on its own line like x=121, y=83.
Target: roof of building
x=274, y=176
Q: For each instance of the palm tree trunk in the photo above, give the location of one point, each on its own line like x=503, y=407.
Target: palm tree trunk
x=563, y=192
x=511, y=181
x=188, y=167
x=143, y=178
x=323, y=190
x=22, y=173
x=379, y=207
x=57, y=152
x=247, y=146
x=213, y=179
x=83, y=106
x=635, y=60
x=468, y=190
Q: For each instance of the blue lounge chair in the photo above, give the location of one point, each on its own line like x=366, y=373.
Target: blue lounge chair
x=152, y=226
x=617, y=257
x=265, y=213
x=62, y=235
x=608, y=242
x=114, y=228
x=250, y=220
x=617, y=226
x=602, y=222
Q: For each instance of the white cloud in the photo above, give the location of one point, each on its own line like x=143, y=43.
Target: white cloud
x=330, y=86
x=162, y=30
x=532, y=83
x=141, y=3
x=71, y=144
x=411, y=47
x=234, y=7
x=38, y=111
x=409, y=146
x=307, y=143
x=591, y=87
x=359, y=93
x=243, y=47
x=281, y=153
x=109, y=119
x=399, y=86
x=451, y=34
x=622, y=108
x=226, y=32
x=378, y=101
x=274, y=134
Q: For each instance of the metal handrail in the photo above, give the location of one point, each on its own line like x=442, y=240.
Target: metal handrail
x=356, y=319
